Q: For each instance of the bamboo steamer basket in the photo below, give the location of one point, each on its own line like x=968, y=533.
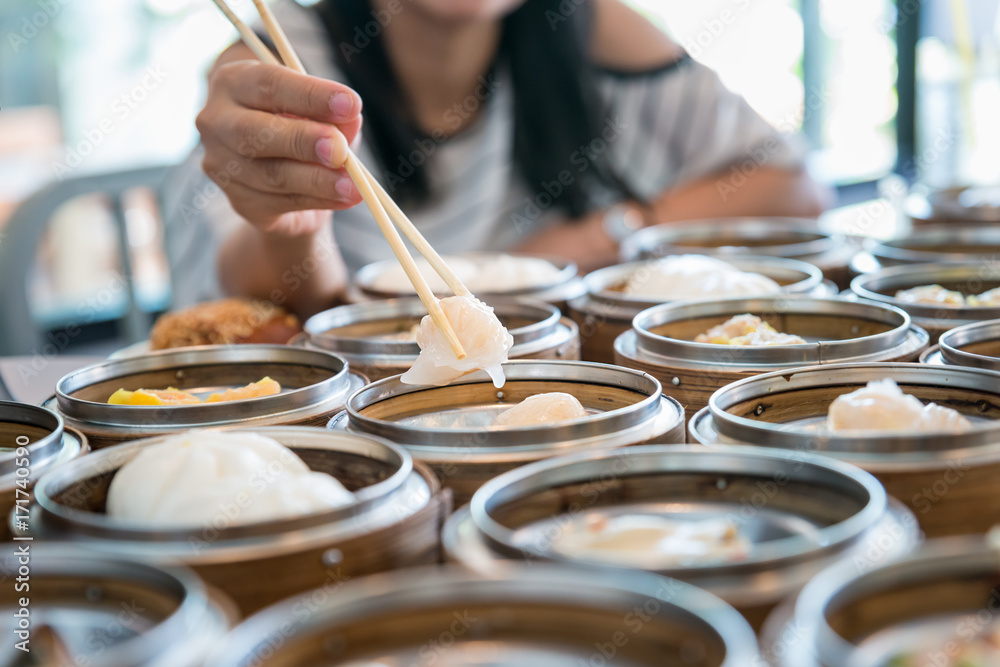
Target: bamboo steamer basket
x=395, y=522
x=542, y=615
x=33, y=440
x=567, y=285
x=315, y=384
x=973, y=345
x=939, y=244
x=363, y=333
x=968, y=278
x=949, y=206
x=86, y=609
x=928, y=605
x=948, y=480
x=450, y=428
x=606, y=312
x=791, y=238
x=661, y=341
x=799, y=511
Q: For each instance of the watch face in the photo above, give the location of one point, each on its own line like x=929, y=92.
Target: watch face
x=622, y=221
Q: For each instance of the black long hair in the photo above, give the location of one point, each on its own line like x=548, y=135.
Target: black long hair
x=558, y=109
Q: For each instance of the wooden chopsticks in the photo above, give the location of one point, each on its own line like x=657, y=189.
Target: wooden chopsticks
x=383, y=208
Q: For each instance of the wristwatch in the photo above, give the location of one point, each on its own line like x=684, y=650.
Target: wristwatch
x=621, y=221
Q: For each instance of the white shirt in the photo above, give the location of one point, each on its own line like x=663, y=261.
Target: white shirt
x=664, y=127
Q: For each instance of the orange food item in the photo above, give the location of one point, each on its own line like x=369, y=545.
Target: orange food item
x=264, y=387
x=168, y=396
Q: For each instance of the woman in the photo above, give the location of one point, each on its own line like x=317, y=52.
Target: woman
x=496, y=124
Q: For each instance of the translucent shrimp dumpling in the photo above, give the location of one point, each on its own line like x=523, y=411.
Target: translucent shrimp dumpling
x=484, y=338
x=542, y=409
x=882, y=406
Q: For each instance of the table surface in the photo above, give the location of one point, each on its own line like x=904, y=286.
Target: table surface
x=33, y=379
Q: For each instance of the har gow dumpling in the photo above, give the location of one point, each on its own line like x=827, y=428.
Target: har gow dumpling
x=882, y=406
x=694, y=276
x=542, y=409
x=484, y=338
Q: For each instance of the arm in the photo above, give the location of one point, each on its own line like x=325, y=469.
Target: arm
x=275, y=142
x=701, y=184
x=768, y=192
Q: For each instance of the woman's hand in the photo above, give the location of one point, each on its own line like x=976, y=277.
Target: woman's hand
x=275, y=142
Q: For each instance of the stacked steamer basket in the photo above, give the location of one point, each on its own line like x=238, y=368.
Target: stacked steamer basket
x=315, y=385
x=965, y=205
x=936, y=607
x=563, y=283
x=791, y=238
x=606, y=311
x=394, y=522
x=108, y=611
x=796, y=515
x=542, y=615
x=940, y=244
x=969, y=278
x=662, y=341
x=947, y=479
x=973, y=345
x=450, y=428
x=33, y=440
x=376, y=339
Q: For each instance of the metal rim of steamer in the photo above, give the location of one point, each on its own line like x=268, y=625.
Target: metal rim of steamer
x=429, y=441
x=376, y=496
x=882, y=285
x=908, y=448
x=452, y=586
x=800, y=277
x=669, y=459
x=199, y=618
x=843, y=584
x=332, y=389
x=545, y=323
x=673, y=238
x=919, y=246
x=365, y=277
x=953, y=342
x=41, y=452
x=687, y=353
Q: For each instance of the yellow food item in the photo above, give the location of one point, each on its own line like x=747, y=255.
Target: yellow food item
x=747, y=329
x=168, y=396
x=172, y=396
x=265, y=387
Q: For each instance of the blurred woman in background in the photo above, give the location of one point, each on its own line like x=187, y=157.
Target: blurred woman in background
x=527, y=125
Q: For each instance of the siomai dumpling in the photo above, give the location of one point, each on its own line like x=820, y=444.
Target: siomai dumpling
x=931, y=295
x=747, y=330
x=882, y=406
x=484, y=338
x=988, y=298
x=652, y=541
x=694, y=276
x=202, y=478
x=542, y=409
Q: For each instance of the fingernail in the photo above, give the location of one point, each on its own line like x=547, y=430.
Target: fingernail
x=342, y=106
x=324, y=151
x=345, y=188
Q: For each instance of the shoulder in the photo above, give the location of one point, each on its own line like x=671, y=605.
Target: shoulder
x=624, y=41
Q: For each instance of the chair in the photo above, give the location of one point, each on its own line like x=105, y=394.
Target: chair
x=19, y=241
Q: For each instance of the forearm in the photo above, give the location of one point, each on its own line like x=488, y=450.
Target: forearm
x=766, y=192
x=302, y=273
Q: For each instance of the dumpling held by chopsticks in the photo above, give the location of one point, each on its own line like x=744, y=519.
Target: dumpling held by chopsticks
x=484, y=338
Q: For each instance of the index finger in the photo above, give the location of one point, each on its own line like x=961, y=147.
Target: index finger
x=279, y=89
